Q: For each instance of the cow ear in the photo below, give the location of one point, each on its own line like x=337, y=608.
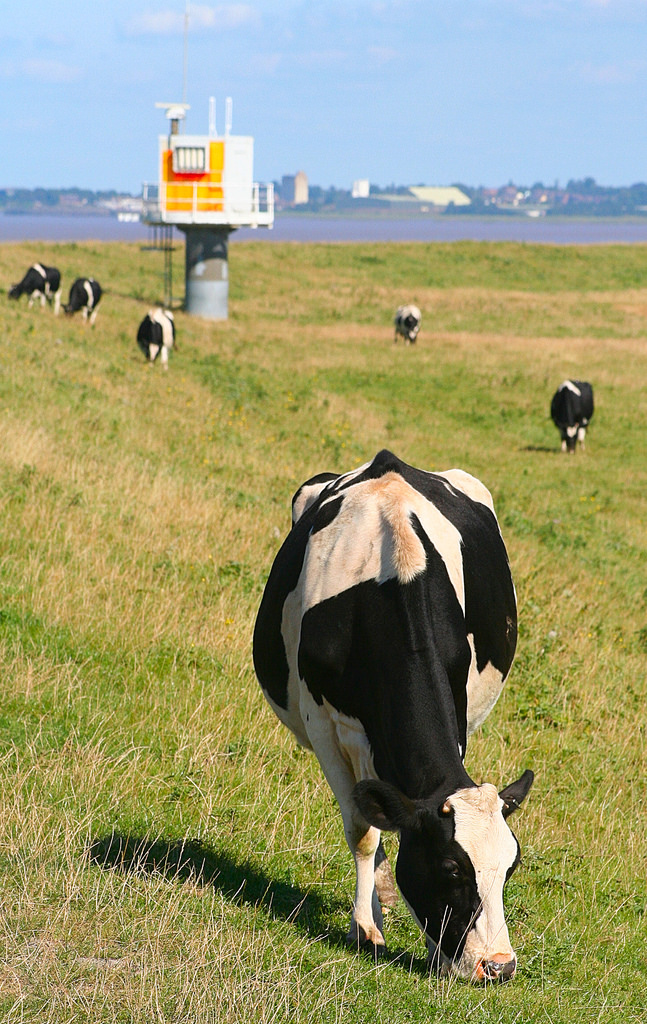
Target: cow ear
x=515, y=793
x=384, y=806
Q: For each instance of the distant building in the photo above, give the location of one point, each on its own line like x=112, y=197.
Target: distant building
x=361, y=189
x=294, y=188
x=437, y=196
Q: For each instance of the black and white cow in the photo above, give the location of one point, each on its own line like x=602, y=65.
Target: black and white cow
x=383, y=639
x=571, y=410
x=407, y=323
x=85, y=294
x=39, y=282
x=156, y=335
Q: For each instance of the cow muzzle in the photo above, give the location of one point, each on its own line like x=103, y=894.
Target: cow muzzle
x=499, y=968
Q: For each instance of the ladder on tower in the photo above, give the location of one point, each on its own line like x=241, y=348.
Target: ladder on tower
x=161, y=239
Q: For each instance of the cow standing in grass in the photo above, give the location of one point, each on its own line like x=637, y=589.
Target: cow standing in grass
x=156, y=335
x=571, y=410
x=407, y=323
x=40, y=282
x=383, y=639
x=85, y=295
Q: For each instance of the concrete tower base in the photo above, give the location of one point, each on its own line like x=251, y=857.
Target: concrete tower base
x=207, y=271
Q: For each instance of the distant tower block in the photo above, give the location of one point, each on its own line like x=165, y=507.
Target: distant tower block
x=294, y=188
x=206, y=189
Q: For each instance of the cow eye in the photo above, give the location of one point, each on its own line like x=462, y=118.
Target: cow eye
x=450, y=868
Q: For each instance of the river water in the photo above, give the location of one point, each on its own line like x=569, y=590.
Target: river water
x=307, y=228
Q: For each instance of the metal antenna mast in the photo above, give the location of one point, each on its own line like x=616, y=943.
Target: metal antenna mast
x=186, y=49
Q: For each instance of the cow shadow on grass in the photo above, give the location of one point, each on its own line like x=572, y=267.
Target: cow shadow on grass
x=541, y=448
x=239, y=881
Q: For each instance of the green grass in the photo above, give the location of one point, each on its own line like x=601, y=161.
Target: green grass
x=166, y=852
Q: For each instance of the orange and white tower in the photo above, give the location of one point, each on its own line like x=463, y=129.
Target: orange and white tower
x=206, y=188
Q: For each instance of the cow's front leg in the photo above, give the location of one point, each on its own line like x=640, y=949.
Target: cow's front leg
x=323, y=726
x=367, y=926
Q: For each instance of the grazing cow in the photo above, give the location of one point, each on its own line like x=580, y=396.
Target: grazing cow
x=384, y=635
x=85, y=294
x=407, y=323
x=156, y=335
x=571, y=410
x=42, y=282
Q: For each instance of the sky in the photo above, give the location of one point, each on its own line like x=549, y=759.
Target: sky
x=408, y=91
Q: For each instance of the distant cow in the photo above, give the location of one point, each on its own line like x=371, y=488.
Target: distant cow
x=39, y=282
x=571, y=410
x=85, y=294
x=385, y=633
x=407, y=323
x=156, y=335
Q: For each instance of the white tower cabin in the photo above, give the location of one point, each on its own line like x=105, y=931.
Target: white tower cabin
x=206, y=188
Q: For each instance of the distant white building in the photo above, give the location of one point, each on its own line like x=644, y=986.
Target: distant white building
x=361, y=189
x=439, y=196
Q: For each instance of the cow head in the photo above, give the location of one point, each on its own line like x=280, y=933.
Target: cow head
x=453, y=862
x=15, y=291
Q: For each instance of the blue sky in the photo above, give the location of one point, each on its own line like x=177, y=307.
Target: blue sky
x=432, y=91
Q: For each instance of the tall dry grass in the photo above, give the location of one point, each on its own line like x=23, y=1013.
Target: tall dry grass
x=166, y=853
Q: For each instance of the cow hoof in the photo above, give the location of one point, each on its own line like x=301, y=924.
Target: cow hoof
x=372, y=946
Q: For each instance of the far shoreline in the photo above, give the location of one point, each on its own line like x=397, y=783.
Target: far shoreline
x=337, y=227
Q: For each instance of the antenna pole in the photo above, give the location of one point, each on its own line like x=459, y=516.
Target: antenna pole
x=186, y=48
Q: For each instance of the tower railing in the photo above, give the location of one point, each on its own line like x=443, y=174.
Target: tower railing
x=197, y=202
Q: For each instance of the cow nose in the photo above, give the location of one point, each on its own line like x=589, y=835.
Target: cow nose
x=499, y=968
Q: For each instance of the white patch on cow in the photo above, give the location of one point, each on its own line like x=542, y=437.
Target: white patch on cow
x=581, y=434
x=89, y=293
x=480, y=829
x=164, y=318
x=153, y=349
x=571, y=387
x=346, y=478
x=40, y=270
x=353, y=742
x=307, y=495
x=483, y=690
x=372, y=538
x=572, y=431
x=291, y=633
x=470, y=486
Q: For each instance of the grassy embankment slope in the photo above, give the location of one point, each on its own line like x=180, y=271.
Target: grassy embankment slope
x=140, y=515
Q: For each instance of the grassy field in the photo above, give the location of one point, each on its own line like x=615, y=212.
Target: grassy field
x=166, y=853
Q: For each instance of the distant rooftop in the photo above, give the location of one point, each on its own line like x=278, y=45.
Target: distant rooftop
x=439, y=196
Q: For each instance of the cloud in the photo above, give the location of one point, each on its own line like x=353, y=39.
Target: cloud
x=382, y=54
x=53, y=71
x=317, y=60
x=611, y=74
x=168, y=22
x=265, y=63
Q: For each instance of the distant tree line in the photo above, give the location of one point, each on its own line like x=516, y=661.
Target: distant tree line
x=580, y=197
x=26, y=200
